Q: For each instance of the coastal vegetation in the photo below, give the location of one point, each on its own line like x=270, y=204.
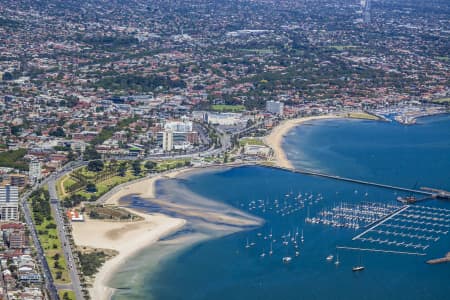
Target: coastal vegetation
x=104, y=212
x=91, y=261
x=48, y=235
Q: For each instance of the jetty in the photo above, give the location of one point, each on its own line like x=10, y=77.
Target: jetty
x=441, y=260
x=380, y=250
x=429, y=192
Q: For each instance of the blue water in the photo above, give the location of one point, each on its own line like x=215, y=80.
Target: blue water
x=225, y=269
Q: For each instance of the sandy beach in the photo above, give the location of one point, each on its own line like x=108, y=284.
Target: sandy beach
x=127, y=238
x=275, y=139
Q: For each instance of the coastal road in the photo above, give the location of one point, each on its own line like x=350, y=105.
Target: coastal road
x=63, y=236
x=48, y=279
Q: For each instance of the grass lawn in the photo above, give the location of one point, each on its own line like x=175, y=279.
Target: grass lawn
x=444, y=58
x=63, y=184
x=70, y=294
x=442, y=100
x=52, y=245
x=227, y=108
x=362, y=115
x=170, y=164
x=108, y=184
x=259, y=51
x=342, y=47
x=250, y=141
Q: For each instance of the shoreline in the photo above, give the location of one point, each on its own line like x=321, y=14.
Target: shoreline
x=275, y=139
x=162, y=224
x=129, y=238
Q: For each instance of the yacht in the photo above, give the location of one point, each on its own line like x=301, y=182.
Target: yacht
x=359, y=267
x=287, y=259
x=330, y=257
x=337, y=262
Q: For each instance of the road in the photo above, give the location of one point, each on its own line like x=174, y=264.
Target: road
x=48, y=279
x=59, y=218
x=63, y=236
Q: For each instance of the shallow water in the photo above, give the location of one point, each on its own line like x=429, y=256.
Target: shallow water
x=223, y=268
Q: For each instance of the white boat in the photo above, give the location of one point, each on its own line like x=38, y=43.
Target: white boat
x=302, y=239
x=330, y=257
x=247, y=245
x=287, y=259
x=337, y=262
x=359, y=267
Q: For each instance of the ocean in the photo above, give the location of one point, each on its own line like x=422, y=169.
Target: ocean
x=247, y=263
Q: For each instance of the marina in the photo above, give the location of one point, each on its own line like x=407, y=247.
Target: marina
x=352, y=215
x=389, y=226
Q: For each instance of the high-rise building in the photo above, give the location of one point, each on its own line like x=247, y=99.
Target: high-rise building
x=275, y=107
x=180, y=126
x=35, y=170
x=167, y=140
x=9, y=203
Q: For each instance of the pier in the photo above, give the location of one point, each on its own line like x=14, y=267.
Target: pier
x=380, y=250
x=379, y=222
x=429, y=192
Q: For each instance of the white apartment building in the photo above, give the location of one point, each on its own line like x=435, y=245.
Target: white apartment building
x=35, y=170
x=9, y=203
x=275, y=107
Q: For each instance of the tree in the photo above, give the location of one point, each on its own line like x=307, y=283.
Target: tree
x=95, y=165
x=58, y=132
x=90, y=153
x=122, y=168
x=136, y=167
x=91, y=188
x=71, y=156
x=150, y=165
x=7, y=76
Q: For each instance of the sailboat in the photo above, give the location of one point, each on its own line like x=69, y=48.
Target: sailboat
x=337, y=262
x=271, y=250
x=302, y=238
x=263, y=254
x=247, y=245
x=359, y=267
